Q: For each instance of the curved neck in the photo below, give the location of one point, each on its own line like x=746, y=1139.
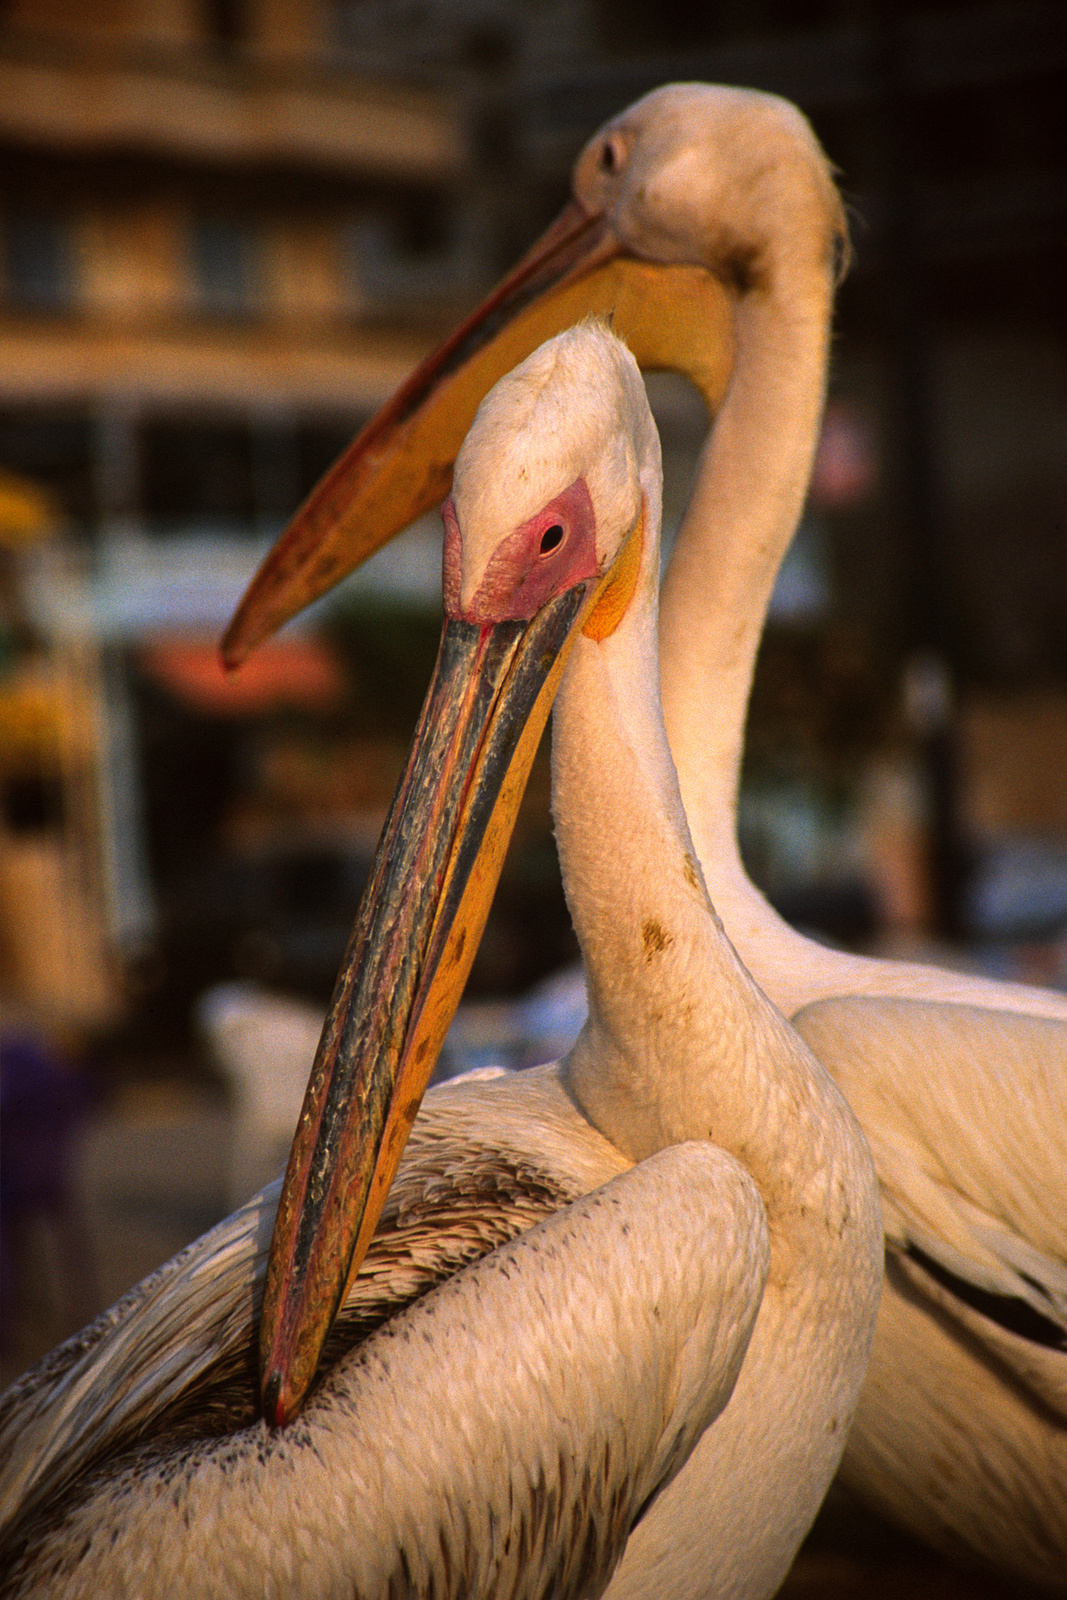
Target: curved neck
x=749, y=494
x=680, y=1042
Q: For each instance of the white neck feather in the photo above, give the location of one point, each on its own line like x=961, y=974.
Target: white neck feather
x=747, y=500
x=680, y=1042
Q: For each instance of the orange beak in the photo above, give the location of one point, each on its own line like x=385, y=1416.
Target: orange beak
x=672, y=316
x=418, y=927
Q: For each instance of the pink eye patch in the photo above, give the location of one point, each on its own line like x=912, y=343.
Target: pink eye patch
x=544, y=556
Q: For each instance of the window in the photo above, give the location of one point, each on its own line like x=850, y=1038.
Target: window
x=224, y=266
x=38, y=260
x=413, y=254
x=196, y=473
x=53, y=447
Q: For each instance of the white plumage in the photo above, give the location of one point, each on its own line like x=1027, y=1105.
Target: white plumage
x=503, y=1434
x=960, y=1083
x=961, y=1433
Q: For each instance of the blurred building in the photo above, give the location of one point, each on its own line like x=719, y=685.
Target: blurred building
x=228, y=228
x=221, y=246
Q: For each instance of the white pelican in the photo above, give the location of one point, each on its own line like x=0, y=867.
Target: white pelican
x=960, y=1083
x=712, y=1231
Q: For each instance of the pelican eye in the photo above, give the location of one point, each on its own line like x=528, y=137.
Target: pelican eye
x=551, y=539
x=841, y=256
x=611, y=154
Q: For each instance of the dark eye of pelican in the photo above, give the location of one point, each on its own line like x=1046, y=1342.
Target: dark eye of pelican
x=551, y=539
x=840, y=256
x=611, y=155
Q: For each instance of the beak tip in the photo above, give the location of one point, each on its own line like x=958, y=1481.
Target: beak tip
x=278, y=1407
x=232, y=647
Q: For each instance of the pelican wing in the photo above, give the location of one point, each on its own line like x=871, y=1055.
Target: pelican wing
x=500, y=1436
x=178, y=1352
x=965, y=1115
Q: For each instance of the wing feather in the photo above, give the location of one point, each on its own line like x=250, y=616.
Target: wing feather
x=965, y=1110
x=177, y=1354
x=500, y=1436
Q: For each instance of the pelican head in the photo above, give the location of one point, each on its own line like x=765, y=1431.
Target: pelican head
x=693, y=173
x=677, y=210
x=543, y=542
x=566, y=477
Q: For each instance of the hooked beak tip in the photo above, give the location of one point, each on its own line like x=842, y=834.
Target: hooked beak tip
x=230, y=656
x=276, y=1412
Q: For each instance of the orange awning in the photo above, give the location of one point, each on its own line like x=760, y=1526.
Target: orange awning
x=285, y=672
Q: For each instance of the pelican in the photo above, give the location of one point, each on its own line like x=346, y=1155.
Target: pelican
x=659, y=1374
x=703, y=215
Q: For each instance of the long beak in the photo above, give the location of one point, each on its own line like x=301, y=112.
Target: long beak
x=672, y=316
x=415, y=937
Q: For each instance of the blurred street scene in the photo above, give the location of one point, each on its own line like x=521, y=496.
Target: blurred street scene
x=228, y=229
